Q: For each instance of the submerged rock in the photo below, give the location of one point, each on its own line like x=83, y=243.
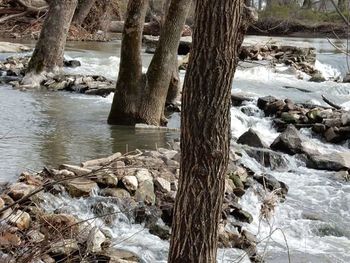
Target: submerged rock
x=252, y=138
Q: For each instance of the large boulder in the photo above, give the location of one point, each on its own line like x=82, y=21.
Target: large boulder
x=251, y=138
x=332, y=162
x=289, y=141
x=80, y=187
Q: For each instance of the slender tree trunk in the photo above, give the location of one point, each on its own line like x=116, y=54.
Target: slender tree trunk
x=82, y=10
x=161, y=68
x=205, y=130
x=126, y=100
x=146, y=103
x=49, y=50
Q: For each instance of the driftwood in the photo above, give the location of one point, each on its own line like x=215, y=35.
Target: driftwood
x=33, y=5
x=331, y=103
x=101, y=161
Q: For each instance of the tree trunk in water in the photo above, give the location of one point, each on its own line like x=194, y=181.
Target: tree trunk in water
x=126, y=100
x=205, y=130
x=49, y=50
x=160, y=70
x=83, y=9
x=145, y=102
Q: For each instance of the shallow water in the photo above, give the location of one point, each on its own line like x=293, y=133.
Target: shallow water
x=41, y=128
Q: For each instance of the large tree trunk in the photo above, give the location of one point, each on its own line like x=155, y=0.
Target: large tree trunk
x=205, y=130
x=126, y=100
x=83, y=9
x=146, y=105
x=49, y=50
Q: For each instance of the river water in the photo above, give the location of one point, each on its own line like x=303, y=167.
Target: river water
x=46, y=129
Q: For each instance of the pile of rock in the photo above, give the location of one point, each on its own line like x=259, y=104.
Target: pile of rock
x=12, y=71
x=332, y=124
x=143, y=182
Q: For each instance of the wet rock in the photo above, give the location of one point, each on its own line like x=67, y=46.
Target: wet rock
x=332, y=136
x=264, y=101
x=145, y=193
x=163, y=232
x=342, y=175
x=72, y=63
x=80, y=187
x=331, y=162
x=143, y=175
x=95, y=239
x=290, y=117
x=237, y=100
x=252, y=138
x=130, y=182
x=162, y=185
x=289, y=141
x=319, y=128
x=345, y=119
x=167, y=214
x=20, y=219
x=268, y=158
x=242, y=215
x=19, y=190
x=271, y=183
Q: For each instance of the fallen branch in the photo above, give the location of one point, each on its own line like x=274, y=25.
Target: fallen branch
x=338, y=48
x=331, y=103
x=31, y=8
x=13, y=16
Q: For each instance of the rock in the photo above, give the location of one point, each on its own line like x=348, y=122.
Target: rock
x=268, y=158
x=19, y=190
x=64, y=247
x=162, y=185
x=242, y=215
x=271, y=183
x=252, y=139
x=319, y=128
x=35, y=236
x=227, y=238
x=104, y=210
x=332, y=136
x=264, y=101
x=80, y=187
x=289, y=141
x=47, y=259
x=331, y=162
x=163, y=232
x=236, y=180
x=105, y=178
x=347, y=78
x=20, y=219
x=288, y=117
x=2, y=203
x=237, y=100
x=143, y=175
x=345, y=119
x=95, y=239
x=130, y=182
x=317, y=77
x=116, y=192
x=72, y=63
x=145, y=193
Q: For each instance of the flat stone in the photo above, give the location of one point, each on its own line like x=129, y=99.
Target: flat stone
x=331, y=162
x=80, y=187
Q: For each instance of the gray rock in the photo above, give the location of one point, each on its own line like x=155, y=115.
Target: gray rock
x=289, y=141
x=317, y=77
x=331, y=162
x=145, y=193
x=130, y=182
x=162, y=185
x=251, y=138
x=80, y=187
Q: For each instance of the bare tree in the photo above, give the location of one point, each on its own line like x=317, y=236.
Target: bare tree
x=205, y=130
x=82, y=10
x=141, y=98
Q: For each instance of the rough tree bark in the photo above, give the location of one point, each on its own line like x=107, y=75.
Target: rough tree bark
x=82, y=10
x=205, y=130
x=154, y=89
x=49, y=50
x=127, y=98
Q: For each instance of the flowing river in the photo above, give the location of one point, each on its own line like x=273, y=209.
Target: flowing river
x=46, y=129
